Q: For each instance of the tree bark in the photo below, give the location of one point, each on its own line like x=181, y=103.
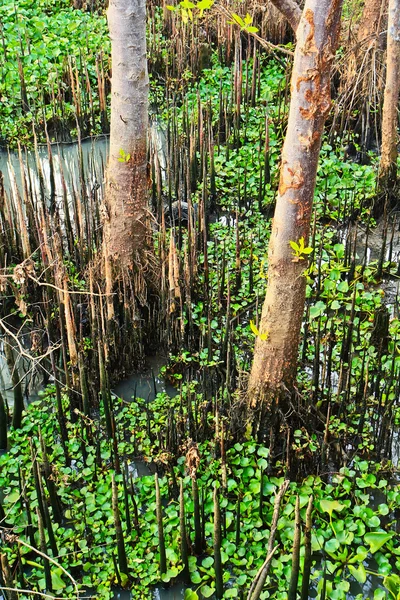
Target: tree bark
x=275, y=359
x=369, y=22
x=388, y=163
x=360, y=87
x=290, y=10
x=126, y=222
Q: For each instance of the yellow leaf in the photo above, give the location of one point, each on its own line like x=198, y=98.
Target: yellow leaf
x=262, y=336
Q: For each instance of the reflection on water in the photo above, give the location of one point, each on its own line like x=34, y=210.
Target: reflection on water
x=145, y=385
x=66, y=161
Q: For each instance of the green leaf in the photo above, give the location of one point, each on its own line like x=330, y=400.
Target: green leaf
x=231, y=593
x=207, y=591
x=392, y=583
x=317, y=310
x=377, y=539
x=204, y=4
x=374, y=521
x=195, y=577
x=190, y=595
x=12, y=497
x=171, y=555
x=207, y=562
x=332, y=545
x=264, y=452
x=331, y=505
x=57, y=582
x=359, y=574
x=383, y=509
x=240, y=22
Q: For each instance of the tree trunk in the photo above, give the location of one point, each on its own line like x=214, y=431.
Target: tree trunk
x=126, y=208
x=388, y=164
x=291, y=10
x=369, y=22
x=275, y=359
x=358, y=104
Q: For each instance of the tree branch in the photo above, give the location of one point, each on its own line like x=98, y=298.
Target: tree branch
x=291, y=10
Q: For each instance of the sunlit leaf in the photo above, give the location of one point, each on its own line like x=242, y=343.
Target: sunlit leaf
x=329, y=506
x=377, y=539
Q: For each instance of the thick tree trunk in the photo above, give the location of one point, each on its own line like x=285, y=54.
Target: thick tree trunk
x=388, y=164
x=126, y=214
x=275, y=359
x=369, y=22
x=291, y=10
x=360, y=85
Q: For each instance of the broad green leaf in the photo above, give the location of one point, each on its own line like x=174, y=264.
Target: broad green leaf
x=57, y=582
x=383, y=509
x=331, y=505
x=195, y=577
x=392, y=583
x=332, y=545
x=359, y=574
x=317, y=310
x=207, y=591
x=207, y=562
x=377, y=539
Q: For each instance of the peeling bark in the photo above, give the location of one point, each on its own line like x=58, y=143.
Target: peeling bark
x=126, y=209
x=275, y=359
x=388, y=163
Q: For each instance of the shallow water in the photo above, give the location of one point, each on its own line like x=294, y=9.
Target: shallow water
x=66, y=162
x=31, y=380
x=147, y=384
